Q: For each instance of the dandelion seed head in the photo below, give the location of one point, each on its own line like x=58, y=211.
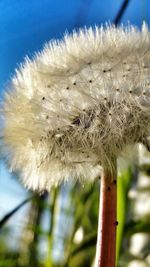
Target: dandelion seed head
x=77, y=105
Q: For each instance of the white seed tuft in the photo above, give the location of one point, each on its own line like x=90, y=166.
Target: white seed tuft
x=77, y=105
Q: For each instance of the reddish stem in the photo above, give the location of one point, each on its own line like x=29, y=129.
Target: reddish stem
x=106, y=243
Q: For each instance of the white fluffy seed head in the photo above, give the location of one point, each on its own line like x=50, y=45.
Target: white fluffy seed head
x=77, y=105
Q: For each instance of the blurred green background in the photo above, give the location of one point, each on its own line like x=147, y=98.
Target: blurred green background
x=59, y=229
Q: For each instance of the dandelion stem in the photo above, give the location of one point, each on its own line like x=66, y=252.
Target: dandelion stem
x=106, y=242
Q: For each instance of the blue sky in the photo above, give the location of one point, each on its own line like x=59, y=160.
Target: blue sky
x=25, y=25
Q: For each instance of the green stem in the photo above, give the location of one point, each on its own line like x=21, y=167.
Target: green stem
x=53, y=199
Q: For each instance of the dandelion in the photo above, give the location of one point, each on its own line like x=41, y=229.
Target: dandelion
x=73, y=110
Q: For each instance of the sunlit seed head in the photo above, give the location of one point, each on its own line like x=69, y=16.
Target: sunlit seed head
x=77, y=105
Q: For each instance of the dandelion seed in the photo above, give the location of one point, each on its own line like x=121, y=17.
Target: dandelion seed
x=106, y=108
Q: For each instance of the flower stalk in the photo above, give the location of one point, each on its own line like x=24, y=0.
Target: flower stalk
x=106, y=242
